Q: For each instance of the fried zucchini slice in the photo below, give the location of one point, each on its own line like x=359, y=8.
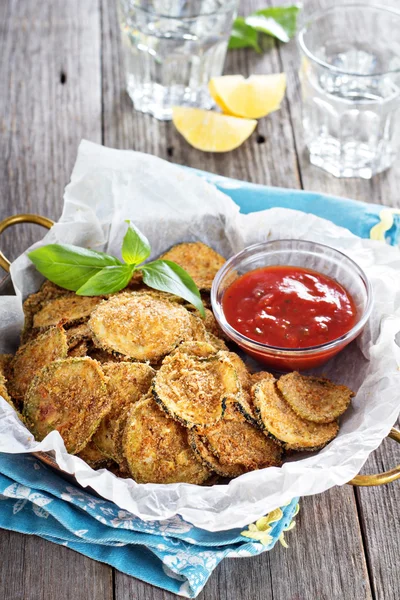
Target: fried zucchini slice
x=156, y=448
x=199, y=260
x=316, y=399
x=127, y=382
x=65, y=309
x=195, y=390
x=33, y=356
x=202, y=449
x=77, y=334
x=94, y=457
x=195, y=348
x=260, y=376
x=282, y=423
x=69, y=396
x=139, y=326
x=236, y=442
x=243, y=401
x=217, y=342
x=35, y=302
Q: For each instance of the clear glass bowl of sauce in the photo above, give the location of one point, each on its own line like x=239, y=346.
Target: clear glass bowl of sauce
x=291, y=304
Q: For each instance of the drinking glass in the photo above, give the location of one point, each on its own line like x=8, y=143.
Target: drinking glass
x=172, y=48
x=350, y=80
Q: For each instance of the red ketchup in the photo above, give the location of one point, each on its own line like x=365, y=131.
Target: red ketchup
x=289, y=307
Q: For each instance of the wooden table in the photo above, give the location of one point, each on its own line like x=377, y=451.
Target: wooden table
x=62, y=80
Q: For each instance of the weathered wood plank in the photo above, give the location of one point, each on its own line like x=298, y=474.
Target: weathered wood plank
x=50, y=97
x=34, y=569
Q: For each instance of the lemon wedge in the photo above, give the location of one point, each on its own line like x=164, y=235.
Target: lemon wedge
x=250, y=98
x=211, y=131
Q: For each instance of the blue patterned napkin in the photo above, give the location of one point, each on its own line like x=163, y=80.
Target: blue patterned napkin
x=171, y=554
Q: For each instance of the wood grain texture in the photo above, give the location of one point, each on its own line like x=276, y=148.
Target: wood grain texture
x=34, y=569
x=50, y=98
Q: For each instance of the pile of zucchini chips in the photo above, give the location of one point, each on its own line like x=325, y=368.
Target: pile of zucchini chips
x=139, y=383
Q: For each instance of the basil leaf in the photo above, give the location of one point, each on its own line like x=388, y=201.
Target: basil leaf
x=69, y=266
x=167, y=276
x=243, y=36
x=135, y=247
x=107, y=281
x=278, y=21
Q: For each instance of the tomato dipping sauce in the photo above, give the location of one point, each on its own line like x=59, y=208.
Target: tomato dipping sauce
x=289, y=307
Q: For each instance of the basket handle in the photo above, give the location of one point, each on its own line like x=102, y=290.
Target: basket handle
x=380, y=478
x=14, y=220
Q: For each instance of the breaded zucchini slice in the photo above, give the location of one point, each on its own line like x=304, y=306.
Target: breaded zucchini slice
x=316, y=399
x=260, y=376
x=77, y=334
x=126, y=383
x=156, y=448
x=69, y=396
x=33, y=356
x=139, y=326
x=199, y=260
x=65, y=309
x=236, y=442
x=243, y=401
x=282, y=423
x=94, y=457
x=195, y=390
x=35, y=302
x=217, y=342
x=202, y=449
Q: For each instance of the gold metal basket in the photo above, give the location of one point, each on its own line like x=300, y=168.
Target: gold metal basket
x=358, y=480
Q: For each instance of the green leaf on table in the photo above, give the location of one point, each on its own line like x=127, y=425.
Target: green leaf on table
x=135, y=246
x=243, y=36
x=107, y=281
x=278, y=21
x=70, y=266
x=167, y=276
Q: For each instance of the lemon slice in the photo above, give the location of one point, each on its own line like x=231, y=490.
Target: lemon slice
x=211, y=131
x=251, y=98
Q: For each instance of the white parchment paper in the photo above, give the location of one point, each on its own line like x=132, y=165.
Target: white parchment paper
x=171, y=205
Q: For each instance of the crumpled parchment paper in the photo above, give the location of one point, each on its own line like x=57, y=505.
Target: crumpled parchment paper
x=172, y=205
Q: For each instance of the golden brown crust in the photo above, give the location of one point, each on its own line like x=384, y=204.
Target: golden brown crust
x=195, y=390
x=316, y=399
x=66, y=309
x=281, y=422
x=127, y=382
x=200, y=261
x=140, y=327
x=156, y=448
x=94, y=457
x=201, y=447
x=69, y=396
x=33, y=356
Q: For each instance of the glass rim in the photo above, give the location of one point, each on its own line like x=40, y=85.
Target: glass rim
x=262, y=348
x=320, y=13
x=228, y=5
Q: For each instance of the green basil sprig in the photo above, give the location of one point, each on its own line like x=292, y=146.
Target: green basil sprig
x=279, y=22
x=91, y=273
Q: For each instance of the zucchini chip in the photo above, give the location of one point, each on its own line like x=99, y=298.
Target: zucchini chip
x=199, y=260
x=244, y=402
x=156, y=448
x=33, y=356
x=126, y=384
x=35, y=302
x=282, y=423
x=316, y=399
x=94, y=457
x=104, y=357
x=69, y=396
x=236, y=442
x=217, y=342
x=195, y=390
x=65, y=309
x=77, y=334
x=139, y=326
x=202, y=449
x=260, y=376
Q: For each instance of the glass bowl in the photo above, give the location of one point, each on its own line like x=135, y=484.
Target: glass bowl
x=300, y=253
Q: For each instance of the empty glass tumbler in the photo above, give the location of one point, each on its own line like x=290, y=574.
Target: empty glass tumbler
x=171, y=49
x=350, y=79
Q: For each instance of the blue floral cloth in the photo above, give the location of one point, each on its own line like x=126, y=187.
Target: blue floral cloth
x=172, y=554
